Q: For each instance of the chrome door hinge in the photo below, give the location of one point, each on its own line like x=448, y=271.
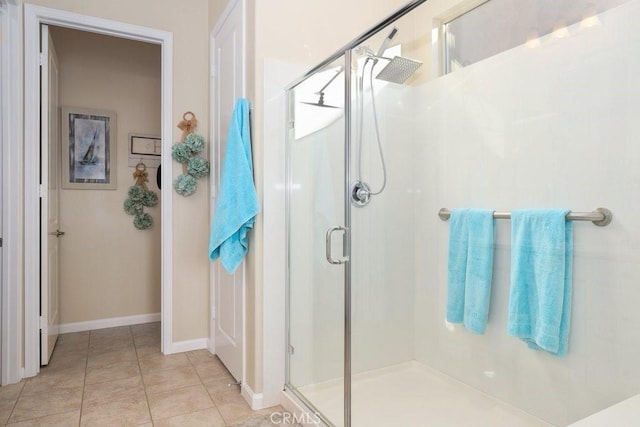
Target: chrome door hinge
x=42, y=321
x=292, y=124
x=290, y=349
x=42, y=59
x=41, y=191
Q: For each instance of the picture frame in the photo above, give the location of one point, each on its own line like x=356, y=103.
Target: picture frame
x=89, y=142
x=145, y=148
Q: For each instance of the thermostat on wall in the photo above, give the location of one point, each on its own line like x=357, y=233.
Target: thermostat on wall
x=145, y=148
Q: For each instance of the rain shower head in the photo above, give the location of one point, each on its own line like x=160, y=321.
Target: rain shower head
x=398, y=69
x=320, y=102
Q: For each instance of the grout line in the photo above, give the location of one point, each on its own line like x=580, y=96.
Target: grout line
x=15, y=403
x=216, y=380
x=99, y=367
x=215, y=405
x=144, y=387
x=84, y=383
x=20, y=395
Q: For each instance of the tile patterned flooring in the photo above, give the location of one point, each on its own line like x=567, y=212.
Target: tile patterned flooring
x=118, y=377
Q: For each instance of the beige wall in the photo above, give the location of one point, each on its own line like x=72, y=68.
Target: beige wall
x=107, y=267
x=188, y=21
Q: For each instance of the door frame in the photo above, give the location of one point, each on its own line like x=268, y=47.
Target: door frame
x=11, y=110
x=34, y=16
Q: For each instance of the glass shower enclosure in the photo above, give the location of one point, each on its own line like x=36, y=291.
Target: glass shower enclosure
x=498, y=104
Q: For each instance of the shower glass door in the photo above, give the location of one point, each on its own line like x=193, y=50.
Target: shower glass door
x=317, y=241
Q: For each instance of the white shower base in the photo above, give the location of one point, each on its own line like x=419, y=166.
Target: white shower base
x=412, y=394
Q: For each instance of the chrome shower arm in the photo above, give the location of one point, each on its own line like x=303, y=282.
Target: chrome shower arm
x=321, y=91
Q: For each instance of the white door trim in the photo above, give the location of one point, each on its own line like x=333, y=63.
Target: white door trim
x=212, y=187
x=33, y=17
x=11, y=181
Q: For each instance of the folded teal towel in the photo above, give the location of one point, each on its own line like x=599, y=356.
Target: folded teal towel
x=471, y=245
x=237, y=202
x=541, y=264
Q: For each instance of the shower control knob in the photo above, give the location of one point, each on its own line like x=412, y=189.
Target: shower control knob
x=360, y=194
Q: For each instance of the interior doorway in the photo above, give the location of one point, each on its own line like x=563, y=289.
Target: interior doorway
x=109, y=96
x=35, y=18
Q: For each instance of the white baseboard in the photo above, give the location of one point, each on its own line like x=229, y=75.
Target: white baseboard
x=111, y=322
x=189, y=345
x=253, y=399
x=176, y=347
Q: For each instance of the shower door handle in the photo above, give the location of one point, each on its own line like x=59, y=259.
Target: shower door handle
x=330, y=232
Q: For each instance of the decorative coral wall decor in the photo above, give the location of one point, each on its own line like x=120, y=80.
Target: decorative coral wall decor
x=186, y=152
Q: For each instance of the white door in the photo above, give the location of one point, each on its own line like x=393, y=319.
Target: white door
x=49, y=210
x=228, y=71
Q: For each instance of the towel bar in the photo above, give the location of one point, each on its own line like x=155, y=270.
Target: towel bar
x=600, y=217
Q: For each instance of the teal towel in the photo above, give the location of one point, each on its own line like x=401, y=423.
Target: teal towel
x=471, y=245
x=237, y=202
x=541, y=264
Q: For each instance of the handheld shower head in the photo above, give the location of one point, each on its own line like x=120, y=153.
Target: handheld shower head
x=386, y=41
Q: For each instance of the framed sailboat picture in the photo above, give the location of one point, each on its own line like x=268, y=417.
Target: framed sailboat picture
x=89, y=139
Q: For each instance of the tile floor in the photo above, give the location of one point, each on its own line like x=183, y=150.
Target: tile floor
x=118, y=377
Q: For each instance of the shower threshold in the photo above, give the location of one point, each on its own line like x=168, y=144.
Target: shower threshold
x=412, y=394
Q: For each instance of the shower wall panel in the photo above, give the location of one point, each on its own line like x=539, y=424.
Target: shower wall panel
x=383, y=259
x=547, y=125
